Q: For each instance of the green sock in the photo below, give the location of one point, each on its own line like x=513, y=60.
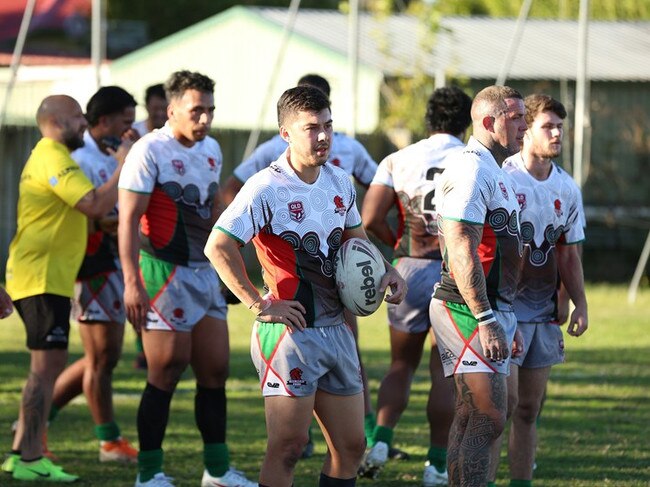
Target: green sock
x=54, y=411
x=149, y=464
x=438, y=458
x=216, y=458
x=521, y=483
x=491, y=484
x=383, y=433
x=107, y=431
x=138, y=344
x=369, y=423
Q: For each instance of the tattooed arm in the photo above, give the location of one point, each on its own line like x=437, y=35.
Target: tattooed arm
x=461, y=244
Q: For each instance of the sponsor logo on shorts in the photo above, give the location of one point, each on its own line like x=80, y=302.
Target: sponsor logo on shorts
x=469, y=363
x=448, y=357
x=57, y=335
x=179, y=315
x=273, y=385
x=296, y=211
x=179, y=166
x=340, y=206
x=296, y=379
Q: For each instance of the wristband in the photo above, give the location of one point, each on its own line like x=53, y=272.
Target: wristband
x=264, y=305
x=253, y=303
x=485, y=317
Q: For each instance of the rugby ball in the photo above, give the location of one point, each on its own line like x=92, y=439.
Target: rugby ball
x=358, y=268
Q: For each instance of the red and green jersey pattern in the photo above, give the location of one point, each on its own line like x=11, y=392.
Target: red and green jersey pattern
x=412, y=173
x=182, y=182
x=296, y=229
x=476, y=191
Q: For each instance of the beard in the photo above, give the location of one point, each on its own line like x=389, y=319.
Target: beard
x=73, y=140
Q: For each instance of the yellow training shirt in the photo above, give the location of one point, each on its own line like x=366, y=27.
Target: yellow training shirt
x=50, y=242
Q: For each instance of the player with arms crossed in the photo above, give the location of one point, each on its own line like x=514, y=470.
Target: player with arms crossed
x=552, y=228
x=298, y=212
x=471, y=310
x=407, y=178
x=169, y=189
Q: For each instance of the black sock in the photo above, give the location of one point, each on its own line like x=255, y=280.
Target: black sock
x=153, y=415
x=210, y=413
x=326, y=481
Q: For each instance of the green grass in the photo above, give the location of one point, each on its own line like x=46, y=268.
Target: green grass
x=595, y=428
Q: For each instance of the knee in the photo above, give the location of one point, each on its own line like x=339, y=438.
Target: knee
x=526, y=412
x=104, y=361
x=513, y=402
x=354, y=449
x=290, y=450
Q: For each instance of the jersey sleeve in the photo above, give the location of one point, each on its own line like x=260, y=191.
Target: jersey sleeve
x=67, y=180
x=365, y=166
x=462, y=196
x=261, y=158
x=247, y=215
x=352, y=216
x=140, y=171
x=384, y=174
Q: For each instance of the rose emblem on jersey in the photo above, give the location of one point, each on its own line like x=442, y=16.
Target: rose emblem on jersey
x=504, y=191
x=521, y=199
x=179, y=166
x=102, y=175
x=212, y=163
x=557, y=205
x=340, y=206
x=296, y=211
x=336, y=161
x=295, y=378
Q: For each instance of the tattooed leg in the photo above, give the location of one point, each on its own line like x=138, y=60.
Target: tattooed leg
x=481, y=409
x=45, y=367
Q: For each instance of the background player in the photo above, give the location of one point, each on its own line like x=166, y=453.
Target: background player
x=155, y=101
x=552, y=227
x=98, y=303
x=471, y=310
x=297, y=212
x=407, y=179
x=44, y=258
x=168, y=203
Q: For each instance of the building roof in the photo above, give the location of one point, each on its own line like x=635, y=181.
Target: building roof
x=476, y=47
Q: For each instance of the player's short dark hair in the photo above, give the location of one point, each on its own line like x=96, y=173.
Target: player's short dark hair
x=107, y=101
x=448, y=111
x=316, y=81
x=301, y=99
x=538, y=103
x=154, y=90
x=181, y=81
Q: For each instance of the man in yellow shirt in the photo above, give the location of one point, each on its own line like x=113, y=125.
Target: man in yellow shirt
x=55, y=197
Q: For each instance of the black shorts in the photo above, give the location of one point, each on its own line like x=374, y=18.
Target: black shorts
x=47, y=320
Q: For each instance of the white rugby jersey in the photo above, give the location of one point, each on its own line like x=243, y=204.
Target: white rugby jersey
x=296, y=229
x=475, y=190
x=412, y=173
x=101, y=249
x=345, y=152
x=182, y=182
x=550, y=214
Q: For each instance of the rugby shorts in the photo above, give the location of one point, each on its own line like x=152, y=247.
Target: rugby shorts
x=100, y=299
x=543, y=345
x=180, y=296
x=412, y=314
x=47, y=321
x=296, y=364
x=459, y=346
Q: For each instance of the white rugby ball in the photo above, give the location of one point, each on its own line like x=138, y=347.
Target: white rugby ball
x=359, y=267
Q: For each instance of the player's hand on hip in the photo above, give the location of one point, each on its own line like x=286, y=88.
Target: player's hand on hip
x=578, y=323
x=493, y=341
x=393, y=280
x=136, y=304
x=518, y=344
x=290, y=313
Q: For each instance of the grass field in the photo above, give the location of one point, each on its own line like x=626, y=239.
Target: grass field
x=595, y=429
